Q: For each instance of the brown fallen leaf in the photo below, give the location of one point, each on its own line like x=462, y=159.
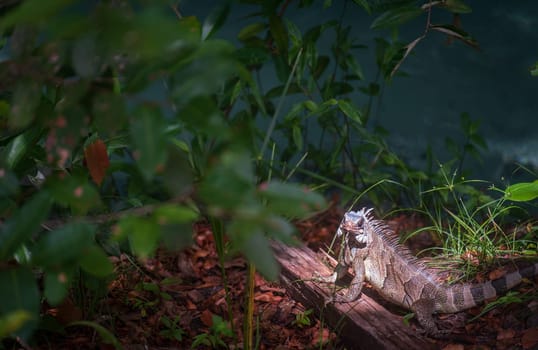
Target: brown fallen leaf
x=530, y=338
x=207, y=318
x=506, y=334
x=68, y=312
x=267, y=297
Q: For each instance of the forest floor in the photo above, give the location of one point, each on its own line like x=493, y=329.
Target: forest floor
x=177, y=301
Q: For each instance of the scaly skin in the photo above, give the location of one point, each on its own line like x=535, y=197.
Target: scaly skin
x=371, y=249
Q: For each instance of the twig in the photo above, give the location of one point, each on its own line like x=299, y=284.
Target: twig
x=176, y=11
x=109, y=217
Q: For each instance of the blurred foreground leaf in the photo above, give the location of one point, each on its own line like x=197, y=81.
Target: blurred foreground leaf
x=19, y=295
x=26, y=221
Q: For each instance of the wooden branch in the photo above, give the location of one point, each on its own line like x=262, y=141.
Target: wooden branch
x=363, y=324
x=114, y=216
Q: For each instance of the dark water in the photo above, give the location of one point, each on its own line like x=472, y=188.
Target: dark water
x=493, y=84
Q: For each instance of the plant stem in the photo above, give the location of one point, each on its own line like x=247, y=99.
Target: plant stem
x=279, y=106
x=217, y=227
x=249, y=314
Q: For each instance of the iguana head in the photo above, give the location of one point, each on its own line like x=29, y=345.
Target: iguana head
x=353, y=223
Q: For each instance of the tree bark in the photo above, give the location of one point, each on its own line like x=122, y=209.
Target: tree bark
x=363, y=324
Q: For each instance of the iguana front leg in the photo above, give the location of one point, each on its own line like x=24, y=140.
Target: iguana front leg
x=355, y=287
x=342, y=265
x=339, y=271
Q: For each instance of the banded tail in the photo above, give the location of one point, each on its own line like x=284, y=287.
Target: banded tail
x=465, y=296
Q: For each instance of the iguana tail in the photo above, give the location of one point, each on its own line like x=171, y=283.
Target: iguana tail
x=465, y=296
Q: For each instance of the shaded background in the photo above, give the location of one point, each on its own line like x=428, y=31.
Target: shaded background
x=443, y=80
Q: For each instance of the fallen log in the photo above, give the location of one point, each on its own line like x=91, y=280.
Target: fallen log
x=363, y=324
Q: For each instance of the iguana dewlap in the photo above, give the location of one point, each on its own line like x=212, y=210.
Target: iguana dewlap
x=373, y=252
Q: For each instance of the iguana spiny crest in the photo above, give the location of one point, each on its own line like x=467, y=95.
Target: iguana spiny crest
x=372, y=250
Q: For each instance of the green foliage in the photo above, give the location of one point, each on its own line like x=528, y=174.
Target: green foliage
x=20, y=301
x=522, y=192
x=171, y=330
x=302, y=319
x=396, y=16
x=472, y=143
x=470, y=223
x=81, y=72
x=107, y=336
x=216, y=338
x=534, y=70
x=23, y=224
x=508, y=298
x=13, y=321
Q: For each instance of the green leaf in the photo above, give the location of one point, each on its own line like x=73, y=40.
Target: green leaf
x=143, y=234
x=220, y=327
x=522, y=192
x=24, y=223
x=278, y=30
x=95, y=262
x=85, y=56
x=452, y=146
x=297, y=137
x=310, y=105
x=295, y=35
x=457, y=6
x=534, y=70
x=479, y=141
x=175, y=213
x=64, y=245
x=56, y=286
x=32, y=12
x=19, y=146
x=19, y=293
x=202, y=116
x=350, y=111
x=9, y=185
x=26, y=99
x=109, y=113
x=152, y=32
x=230, y=182
x=74, y=192
x=176, y=236
x=11, y=322
x=334, y=88
x=364, y=4
x=252, y=56
x=394, y=17
x=456, y=33
x=371, y=90
x=215, y=20
x=277, y=91
x=207, y=71
x=289, y=199
x=175, y=222
x=251, y=31
x=107, y=336
x=321, y=66
x=147, y=135
x=255, y=246
x=277, y=227
x=177, y=175
x=355, y=67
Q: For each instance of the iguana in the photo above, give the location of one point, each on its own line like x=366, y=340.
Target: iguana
x=373, y=252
